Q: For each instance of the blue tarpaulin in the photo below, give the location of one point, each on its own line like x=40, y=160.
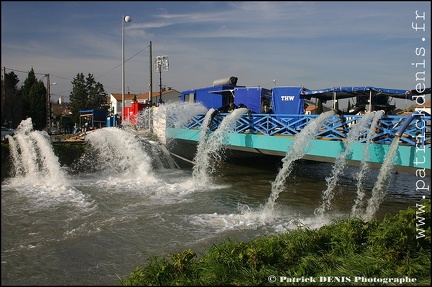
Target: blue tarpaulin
x=288, y=100
x=350, y=92
x=211, y=97
x=252, y=98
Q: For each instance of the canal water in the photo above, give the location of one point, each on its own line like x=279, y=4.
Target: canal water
x=124, y=201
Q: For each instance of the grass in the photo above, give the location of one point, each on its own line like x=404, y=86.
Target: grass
x=338, y=254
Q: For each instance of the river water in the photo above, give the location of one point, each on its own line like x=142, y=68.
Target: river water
x=124, y=201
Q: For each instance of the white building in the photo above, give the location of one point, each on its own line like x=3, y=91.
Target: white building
x=115, y=100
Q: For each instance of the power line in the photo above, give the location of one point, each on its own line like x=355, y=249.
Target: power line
x=41, y=74
x=120, y=63
x=70, y=79
x=60, y=77
x=24, y=71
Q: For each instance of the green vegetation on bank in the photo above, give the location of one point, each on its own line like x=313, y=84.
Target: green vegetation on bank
x=352, y=251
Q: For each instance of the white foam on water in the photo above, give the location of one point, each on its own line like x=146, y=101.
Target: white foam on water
x=119, y=152
x=247, y=218
x=33, y=157
x=36, y=171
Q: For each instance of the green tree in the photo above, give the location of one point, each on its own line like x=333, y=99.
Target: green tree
x=97, y=96
x=25, y=90
x=78, y=96
x=34, y=98
x=37, y=105
x=86, y=94
x=11, y=108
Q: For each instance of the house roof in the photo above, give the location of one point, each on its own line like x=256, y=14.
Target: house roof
x=311, y=108
x=142, y=96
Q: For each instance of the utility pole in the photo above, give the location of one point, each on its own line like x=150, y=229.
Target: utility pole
x=151, y=75
x=150, y=100
x=48, y=104
x=3, y=100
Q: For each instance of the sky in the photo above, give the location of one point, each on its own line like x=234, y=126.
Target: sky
x=311, y=44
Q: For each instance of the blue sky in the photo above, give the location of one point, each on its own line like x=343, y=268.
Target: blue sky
x=311, y=44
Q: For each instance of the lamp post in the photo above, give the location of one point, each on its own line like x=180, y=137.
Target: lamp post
x=161, y=63
x=126, y=19
x=151, y=76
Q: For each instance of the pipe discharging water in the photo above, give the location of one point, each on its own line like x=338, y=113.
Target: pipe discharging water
x=297, y=150
x=361, y=127
x=211, y=144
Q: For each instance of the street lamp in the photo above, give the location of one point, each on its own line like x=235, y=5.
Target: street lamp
x=161, y=63
x=126, y=19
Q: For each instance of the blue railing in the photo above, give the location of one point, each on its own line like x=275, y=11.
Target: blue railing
x=417, y=133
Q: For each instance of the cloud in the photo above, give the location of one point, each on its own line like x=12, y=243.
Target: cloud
x=315, y=44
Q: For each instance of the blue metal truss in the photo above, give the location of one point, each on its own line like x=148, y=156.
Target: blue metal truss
x=418, y=132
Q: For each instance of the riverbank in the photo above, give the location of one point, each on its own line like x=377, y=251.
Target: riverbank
x=392, y=251
x=66, y=151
